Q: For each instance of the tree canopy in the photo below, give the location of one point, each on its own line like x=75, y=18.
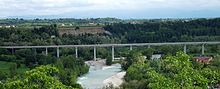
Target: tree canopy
x=172, y=72
x=43, y=77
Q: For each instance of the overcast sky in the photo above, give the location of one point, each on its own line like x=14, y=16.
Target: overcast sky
x=111, y=8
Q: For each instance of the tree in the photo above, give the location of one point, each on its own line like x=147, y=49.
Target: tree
x=109, y=60
x=216, y=61
x=42, y=77
x=131, y=57
x=77, y=28
x=26, y=55
x=13, y=69
x=137, y=70
x=180, y=69
x=70, y=68
x=148, y=52
x=173, y=72
x=3, y=75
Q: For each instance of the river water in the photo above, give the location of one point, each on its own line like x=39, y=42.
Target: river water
x=97, y=74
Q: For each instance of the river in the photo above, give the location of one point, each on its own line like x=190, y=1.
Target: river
x=97, y=74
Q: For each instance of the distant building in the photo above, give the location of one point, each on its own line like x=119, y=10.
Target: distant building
x=63, y=25
x=203, y=59
x=13, y=26
x=145, y=57
x=52, y=36
x=156, y=56
x=7, y=26
x=119, y=58
x=92, y=24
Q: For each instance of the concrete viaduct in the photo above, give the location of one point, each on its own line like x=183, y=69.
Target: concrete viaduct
x=184, y=44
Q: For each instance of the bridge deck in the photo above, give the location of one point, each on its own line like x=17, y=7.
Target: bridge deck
x=115, y=45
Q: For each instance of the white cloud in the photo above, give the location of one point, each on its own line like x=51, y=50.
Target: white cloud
x=56, y=7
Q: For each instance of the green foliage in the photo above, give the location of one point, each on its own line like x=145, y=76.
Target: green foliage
x=70, y=68
x=173, y=72
x=3, y=75
x=43, y=59
x=134, y=84
x=168, y=31
x=42, y=77
x=4, y=51
x=132, y=56
x=28, y=36
x=13, y=69
x=216, y=61
x=8, y=58
x=85, y=53
x=137, y=70
x=39, y=33
x=109, y=60
x=159, y=81
x=148, y=52
x=27, y=55
x=103, y=53
x=212, y=75
x=50, y=30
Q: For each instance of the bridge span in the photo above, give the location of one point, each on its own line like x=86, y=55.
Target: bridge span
x=184, y=44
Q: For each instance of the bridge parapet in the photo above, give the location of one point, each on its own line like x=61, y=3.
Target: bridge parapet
x=113, y=46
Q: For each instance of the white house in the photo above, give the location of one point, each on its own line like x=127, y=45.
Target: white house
x=156, y=56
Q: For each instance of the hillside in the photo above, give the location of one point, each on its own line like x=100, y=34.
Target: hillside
x=81, y=30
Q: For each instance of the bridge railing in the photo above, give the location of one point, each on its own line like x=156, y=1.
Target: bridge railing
x=113, y=46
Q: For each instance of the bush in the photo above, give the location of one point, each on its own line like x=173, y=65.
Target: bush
x=44, y=60
x=109, y=60
x=27, y=55
x=3, y=75
x=13, y=69
x=4, y=51
x=70, y=68
x=8, y=58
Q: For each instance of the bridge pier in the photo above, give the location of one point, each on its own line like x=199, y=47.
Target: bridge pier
x=148, y=46
x=185, y=49
x=76, y=52
x=94, y=54
x=203, y=49
x=46, y=52
x=113, y=53
x=131, y=48
x=58, y=52
x=12, y=51
x=35, y=51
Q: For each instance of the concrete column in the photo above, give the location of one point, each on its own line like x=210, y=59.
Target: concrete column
x=58, y=52
x=12, y=51
x=113, y=53
x=46, y=52
x=35, y=51
x=76, y=52
x=94, y=54
x=148, y=46
x=131, y=48
x=203, y=49
x=184, y=48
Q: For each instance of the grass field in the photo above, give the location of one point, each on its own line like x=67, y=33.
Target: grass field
x=5, y=66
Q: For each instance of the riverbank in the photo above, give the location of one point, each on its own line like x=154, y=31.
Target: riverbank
x=98, y=73
x=116, y=80
x=96, y=63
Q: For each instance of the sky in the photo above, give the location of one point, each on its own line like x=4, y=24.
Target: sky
x=124, y=9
